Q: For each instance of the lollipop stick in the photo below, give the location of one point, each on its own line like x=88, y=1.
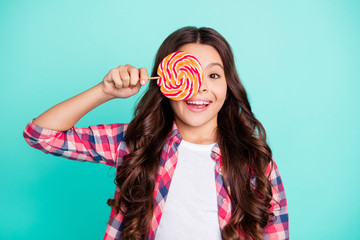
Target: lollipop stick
x=150, y=78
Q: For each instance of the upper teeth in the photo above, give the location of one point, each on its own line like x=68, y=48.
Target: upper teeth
x=198, y=102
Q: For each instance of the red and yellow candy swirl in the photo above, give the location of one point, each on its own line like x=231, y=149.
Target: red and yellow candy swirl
x=180, y=75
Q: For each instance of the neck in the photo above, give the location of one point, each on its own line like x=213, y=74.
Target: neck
x=205, y=134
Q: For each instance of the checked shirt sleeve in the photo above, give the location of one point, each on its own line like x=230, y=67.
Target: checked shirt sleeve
x=98, y=144
x=279, y=227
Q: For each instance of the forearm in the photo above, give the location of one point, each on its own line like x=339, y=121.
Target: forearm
x=64, y=115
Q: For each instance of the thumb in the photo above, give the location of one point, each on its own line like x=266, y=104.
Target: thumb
x=135, y=89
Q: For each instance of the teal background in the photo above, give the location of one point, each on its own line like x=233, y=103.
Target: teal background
x=299, y=61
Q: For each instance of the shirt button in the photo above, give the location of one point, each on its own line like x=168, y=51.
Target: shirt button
x=224, y=200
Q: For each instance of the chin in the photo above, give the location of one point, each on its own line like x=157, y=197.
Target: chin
x=193, y=122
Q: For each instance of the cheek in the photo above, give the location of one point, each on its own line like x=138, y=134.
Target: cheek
x=221, y=91
x=175, y=105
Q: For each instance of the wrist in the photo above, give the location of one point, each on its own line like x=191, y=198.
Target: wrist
x=102, y=95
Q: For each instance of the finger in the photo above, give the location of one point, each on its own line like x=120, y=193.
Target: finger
x=134, y=76
x=115, y=77
x=124, y=75
x=143, y=76
x=106, y=78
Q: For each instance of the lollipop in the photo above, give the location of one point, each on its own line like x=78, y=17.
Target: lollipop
x=180, y=76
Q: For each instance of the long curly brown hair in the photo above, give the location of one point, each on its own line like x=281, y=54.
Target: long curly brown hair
x=244, y=151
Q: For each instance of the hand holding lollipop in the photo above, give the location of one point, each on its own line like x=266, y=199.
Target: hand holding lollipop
x=179, y=76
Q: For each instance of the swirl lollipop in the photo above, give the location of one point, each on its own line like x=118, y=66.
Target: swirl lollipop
x=180, y=76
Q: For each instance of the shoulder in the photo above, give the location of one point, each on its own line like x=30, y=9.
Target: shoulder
x=272, y=172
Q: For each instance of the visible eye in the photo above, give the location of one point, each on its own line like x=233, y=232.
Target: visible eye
x=214, y=75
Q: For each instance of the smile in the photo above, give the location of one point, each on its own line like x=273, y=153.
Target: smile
x=198, y=102
x=197, y=106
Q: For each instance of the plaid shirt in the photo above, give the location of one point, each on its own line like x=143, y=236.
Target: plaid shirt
x=105, y=144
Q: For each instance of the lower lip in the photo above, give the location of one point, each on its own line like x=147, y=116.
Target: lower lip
x=195, y=108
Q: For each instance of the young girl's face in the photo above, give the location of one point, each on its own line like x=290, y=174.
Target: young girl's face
x=202, y=109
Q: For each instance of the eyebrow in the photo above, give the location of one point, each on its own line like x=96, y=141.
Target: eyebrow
x=214, y=64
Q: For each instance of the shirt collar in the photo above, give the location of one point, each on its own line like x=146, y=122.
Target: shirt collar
x=176, y=133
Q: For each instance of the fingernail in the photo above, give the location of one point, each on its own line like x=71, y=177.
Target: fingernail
x=142, y=82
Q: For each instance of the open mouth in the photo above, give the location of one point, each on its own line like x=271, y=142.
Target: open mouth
x=197, y=105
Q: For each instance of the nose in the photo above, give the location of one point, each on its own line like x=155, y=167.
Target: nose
x=204, y=87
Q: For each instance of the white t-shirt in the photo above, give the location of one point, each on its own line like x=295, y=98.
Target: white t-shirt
x=191, y=210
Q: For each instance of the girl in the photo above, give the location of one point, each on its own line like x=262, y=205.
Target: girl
x=193, y=169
